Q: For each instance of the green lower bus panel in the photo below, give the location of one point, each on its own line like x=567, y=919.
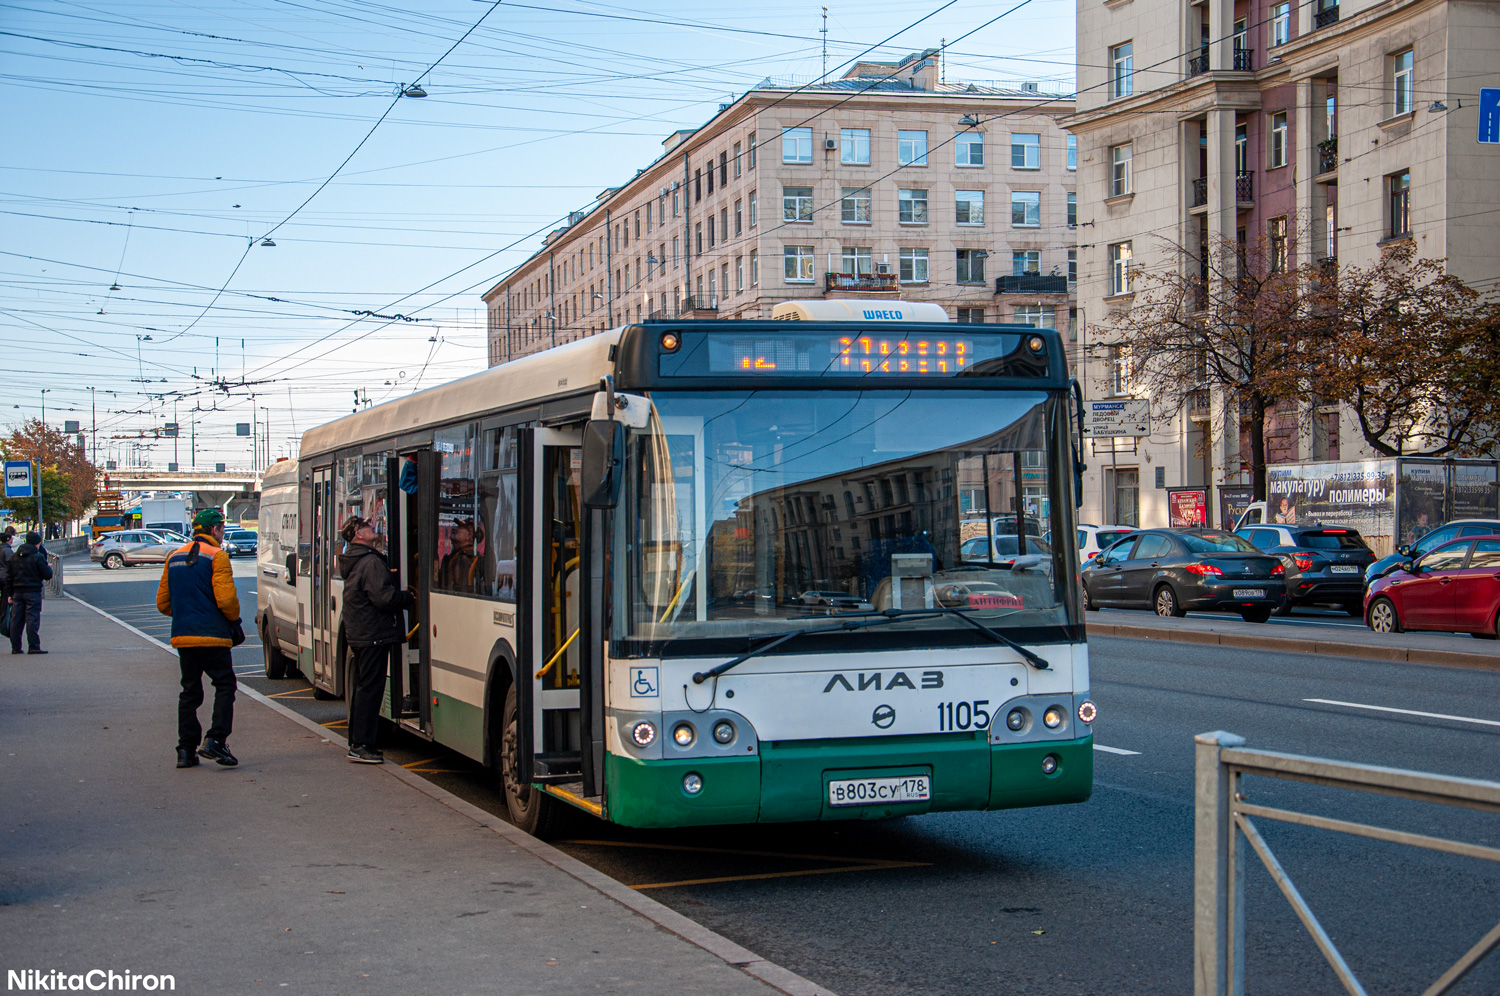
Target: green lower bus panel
x=458, y=725
x=650, y=793
x=1017, y=778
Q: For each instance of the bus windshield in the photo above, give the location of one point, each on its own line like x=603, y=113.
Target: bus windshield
x=752, y=513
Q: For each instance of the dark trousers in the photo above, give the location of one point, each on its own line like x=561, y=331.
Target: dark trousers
x=218, y=665
x=26, y=610
x=366, y=691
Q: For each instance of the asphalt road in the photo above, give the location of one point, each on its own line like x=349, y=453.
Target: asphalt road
x=1087, y=899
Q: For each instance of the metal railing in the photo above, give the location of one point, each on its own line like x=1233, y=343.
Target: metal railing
x=861, y=281
x=1328, y=155
x=1198, y=64
x=691, y=303
x=1244, y=59
x=1223, y=824
x=1200, y=191
x=1325, y=17
x=1244, y=186
x=1032, y=283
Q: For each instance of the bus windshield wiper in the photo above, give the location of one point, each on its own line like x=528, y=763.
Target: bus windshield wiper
x=886, y=616
x=1035, y=660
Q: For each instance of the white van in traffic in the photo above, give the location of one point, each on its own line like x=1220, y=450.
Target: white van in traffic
x=276, y=569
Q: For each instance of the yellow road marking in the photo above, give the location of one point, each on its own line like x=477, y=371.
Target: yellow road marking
x=415, y=764
x=433, y=771
x=289, y=694
x=862, y=864
x=336, y=722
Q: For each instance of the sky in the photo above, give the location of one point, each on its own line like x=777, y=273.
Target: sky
x=156, y=145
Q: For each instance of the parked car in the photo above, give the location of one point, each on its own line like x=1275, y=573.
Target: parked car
x=1455, y=587
x=133, y=546
x=1094, y=540
x=1325, y=565
x=1005, y=551
x=1427, y=543
x=1174, y=571
x=240, y=543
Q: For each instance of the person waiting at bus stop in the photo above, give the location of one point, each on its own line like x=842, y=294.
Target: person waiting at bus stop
x=27, y=573
x=197, y=591
x=373, y=628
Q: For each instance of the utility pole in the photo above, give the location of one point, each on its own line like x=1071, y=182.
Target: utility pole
x=41, y=516
x=93, y=429
x=825, y=44
x=176, y=431
x=254, y=437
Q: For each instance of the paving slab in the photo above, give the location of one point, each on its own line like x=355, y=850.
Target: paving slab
x=296, y=871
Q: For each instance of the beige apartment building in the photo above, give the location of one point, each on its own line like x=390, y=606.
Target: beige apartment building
x=1321, y=128
x=888, y=182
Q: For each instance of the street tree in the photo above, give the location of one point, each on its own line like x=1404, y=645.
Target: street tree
x=54, y=498
x=56, y=451
x=1411, y=350
x=1229, y=317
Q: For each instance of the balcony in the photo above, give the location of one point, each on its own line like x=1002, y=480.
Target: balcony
x=863, y=283
x=698, y=307
x=1328, y=15
x=1032, y=283
x=1244, y=59
x=1200, y=192
x=1244, y=187
x=1328, y=155
x=1198, y=64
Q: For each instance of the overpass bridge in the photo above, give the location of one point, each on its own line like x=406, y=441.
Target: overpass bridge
x=212, y=487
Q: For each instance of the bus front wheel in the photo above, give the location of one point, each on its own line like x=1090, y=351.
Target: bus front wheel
x=531, y=809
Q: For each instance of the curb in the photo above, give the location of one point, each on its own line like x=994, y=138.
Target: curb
x=779, y=978
x=1407, y=655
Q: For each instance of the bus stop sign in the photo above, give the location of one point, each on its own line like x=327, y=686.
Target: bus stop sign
x=18, y=479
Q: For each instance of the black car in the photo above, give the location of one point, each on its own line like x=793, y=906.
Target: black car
x=1325, y=565
x=1427, y=542
x=1174, y=571
x=241, y=542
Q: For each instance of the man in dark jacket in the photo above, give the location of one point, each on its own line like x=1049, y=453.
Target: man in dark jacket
x=28, y=572
x=6, y=556
x=373, y=627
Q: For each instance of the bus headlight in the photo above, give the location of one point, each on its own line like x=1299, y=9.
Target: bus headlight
x=723, y=731
x=1087, y=711
x=643, y=734
x=1016, y=721
x=692, y=783
x=1053, y=717
x=683, y=734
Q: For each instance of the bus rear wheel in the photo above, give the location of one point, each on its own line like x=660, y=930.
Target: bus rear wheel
x=530, y=809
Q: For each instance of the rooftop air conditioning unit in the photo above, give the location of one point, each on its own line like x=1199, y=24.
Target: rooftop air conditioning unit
x=830, y=144
x=665, y=191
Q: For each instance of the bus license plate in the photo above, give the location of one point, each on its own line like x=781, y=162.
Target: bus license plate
x=1344, y=569
x=1249, y=593
x=879, y=791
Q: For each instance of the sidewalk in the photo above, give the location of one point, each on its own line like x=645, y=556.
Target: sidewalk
x=295, y=872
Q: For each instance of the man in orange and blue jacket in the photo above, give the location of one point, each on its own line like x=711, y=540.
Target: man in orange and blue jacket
x=197, y=591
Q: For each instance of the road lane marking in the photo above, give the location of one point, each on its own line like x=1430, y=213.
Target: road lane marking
x=1116, y=750
x=863, y=864
x=1406, y=712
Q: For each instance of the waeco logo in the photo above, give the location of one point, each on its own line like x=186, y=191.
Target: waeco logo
x=874, y=314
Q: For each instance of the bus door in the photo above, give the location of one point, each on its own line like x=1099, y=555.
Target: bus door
x=324, y=674
x=562, y=738
x=401, y=553
x=419, y=565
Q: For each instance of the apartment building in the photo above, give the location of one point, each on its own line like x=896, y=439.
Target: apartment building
x=888, y=182
x=1324, y=129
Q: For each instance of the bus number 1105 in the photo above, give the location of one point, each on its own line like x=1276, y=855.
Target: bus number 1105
x=963, y=715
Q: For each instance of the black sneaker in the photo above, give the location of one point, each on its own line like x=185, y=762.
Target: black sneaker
x=186, y=758
x=216, y=750
x=360, y=754
x=36, y=650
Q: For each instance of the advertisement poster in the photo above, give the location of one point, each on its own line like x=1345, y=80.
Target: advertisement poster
x=1474, y=491
x=1423, y=488
x=1360, y=495
x=1187, y=508
x=1233, y=500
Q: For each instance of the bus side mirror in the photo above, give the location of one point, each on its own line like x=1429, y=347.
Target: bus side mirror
x=603, y=463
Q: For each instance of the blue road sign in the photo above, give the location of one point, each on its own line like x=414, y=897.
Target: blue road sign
x=1489, y=115
x=18, y=479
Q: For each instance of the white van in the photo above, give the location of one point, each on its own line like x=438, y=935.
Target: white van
x=276, y=569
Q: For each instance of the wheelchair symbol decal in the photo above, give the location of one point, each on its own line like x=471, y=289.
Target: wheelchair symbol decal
x=643, y=683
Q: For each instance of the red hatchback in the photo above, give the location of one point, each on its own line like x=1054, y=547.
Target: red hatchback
x=1454, y=587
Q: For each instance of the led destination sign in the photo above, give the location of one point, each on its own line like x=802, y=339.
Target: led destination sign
x=821, y=354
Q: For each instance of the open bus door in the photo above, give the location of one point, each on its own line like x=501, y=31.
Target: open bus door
x=324, y=535
x=416, y=532
x=401, y=530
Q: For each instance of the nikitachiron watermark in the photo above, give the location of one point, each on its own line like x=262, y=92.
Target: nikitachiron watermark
x=36, y=980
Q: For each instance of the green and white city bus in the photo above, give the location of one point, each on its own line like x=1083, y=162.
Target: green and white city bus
x=689, y=572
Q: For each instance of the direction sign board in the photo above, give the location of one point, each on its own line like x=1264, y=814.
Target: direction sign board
x=1489, y=115
x=1125, y=417
x=18, y=479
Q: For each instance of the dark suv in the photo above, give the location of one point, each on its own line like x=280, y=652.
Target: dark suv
x=1325, y=565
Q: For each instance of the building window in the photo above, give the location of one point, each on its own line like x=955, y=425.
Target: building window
x=697, y=185
x=698, y=241
x=911, y=148
x=676, y=250
x=1330, y=231
x=913, y=266
x=712, y=291
x=854, y=146
x=971, y=266
x=1281, y=23
x=1025, y=151
x=737, y=161
x=710, y=174
x=1278, y=139
x=724, y=278
x=723, y=169
x=1399, y=185
x=799, y=264
x=750, y=148
x=855, y=206
x=796, y=145
x=911, y=207
x=724, y=225
x=1401, y=82
x=1025, y=261
x=739, y=217
x=739, y=273
x=1072, y=266
x=1073, y=324
x=969, y=149
x=971, y=316
x=1039, y=316
x=1072, y=210
x=1120, y=157
x=649, y=218
x=711, y=239
x=968, y=207
x=1072, y=152
x=676, y=205
x=1119, y=268
x=1025, y=209
x=1276, y=239
x=1118, y=372
x=858, y=260
x=1122, y=82
x=796, y=204
x=753, y=212
x=754, y=268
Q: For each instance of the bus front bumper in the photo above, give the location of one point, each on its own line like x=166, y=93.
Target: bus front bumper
x=788, y=781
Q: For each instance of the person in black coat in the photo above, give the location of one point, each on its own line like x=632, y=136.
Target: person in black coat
x=28, y=572
x=373, y=627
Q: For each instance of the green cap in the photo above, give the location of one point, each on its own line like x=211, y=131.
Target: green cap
x=207, y=519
